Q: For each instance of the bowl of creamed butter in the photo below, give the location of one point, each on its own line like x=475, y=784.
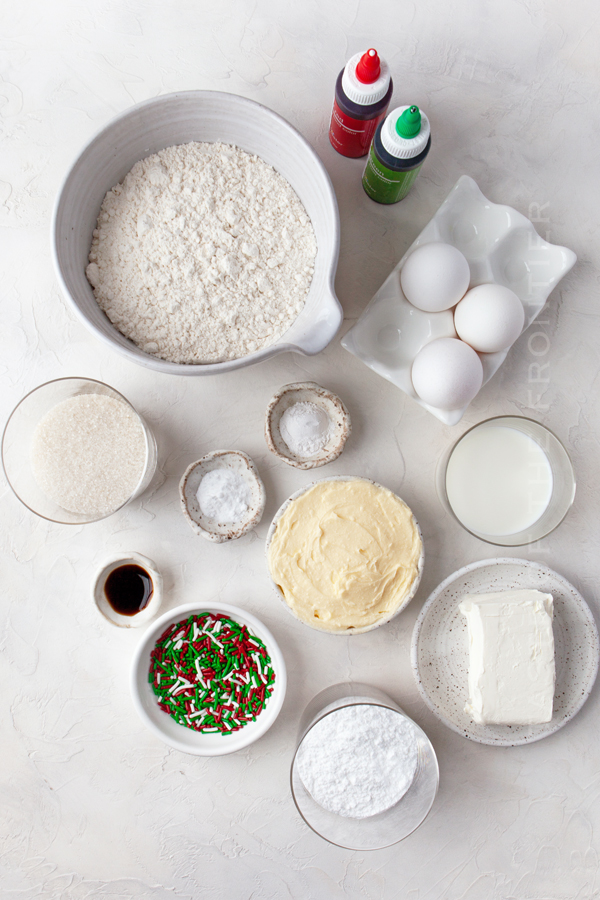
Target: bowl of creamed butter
x=345, y=554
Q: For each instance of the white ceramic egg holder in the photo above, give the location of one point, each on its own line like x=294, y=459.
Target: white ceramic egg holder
x=500, y=245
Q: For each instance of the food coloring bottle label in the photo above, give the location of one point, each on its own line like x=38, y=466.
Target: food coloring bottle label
x=351, y=137
x=383, y=184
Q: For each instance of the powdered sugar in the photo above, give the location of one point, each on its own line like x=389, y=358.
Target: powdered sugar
x=204, y=253
x=359, y=760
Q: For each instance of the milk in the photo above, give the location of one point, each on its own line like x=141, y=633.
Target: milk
x=498, y=481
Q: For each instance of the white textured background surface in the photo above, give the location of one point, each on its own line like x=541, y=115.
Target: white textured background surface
x=92, y=805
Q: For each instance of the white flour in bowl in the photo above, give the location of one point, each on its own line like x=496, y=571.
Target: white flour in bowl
x=203, y=254
x=359, y=760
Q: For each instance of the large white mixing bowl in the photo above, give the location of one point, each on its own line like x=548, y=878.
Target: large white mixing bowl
x=178, y=119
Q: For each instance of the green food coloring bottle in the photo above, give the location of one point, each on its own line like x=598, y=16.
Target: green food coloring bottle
x=400, y=145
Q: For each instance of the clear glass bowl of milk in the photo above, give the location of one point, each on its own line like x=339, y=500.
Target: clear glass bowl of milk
x=508, y=481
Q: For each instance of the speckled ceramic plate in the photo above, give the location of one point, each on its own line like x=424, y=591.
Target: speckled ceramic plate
x=440, y=652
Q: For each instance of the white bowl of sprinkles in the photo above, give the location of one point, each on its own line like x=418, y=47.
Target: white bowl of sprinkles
x=252, y=673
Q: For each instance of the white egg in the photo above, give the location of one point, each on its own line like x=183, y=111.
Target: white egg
x=490, y=317
x=447, y=373
x=434, y=277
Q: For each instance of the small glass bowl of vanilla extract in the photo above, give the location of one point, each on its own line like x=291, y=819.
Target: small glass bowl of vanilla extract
x=128, y=590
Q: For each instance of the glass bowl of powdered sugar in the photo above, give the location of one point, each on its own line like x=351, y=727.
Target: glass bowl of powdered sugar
x=364, y=775
x=75, y=451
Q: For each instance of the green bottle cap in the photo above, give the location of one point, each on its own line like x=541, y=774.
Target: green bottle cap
x=409, y=123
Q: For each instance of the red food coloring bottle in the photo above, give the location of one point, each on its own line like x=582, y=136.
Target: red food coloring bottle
x=362, y=95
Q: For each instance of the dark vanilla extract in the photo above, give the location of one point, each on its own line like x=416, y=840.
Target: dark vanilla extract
x=128, y=589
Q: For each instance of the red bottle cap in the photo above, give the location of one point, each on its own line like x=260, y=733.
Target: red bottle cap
x=368, y=68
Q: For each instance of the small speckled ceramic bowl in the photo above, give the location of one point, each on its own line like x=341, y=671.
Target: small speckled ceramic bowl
x=307, y=392
x=211, y=529
x=412, y=590
x=101, y=600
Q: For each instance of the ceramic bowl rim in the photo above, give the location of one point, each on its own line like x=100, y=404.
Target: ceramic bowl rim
x=113, y=562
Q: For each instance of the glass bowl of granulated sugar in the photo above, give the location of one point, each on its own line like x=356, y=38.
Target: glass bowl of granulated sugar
x=75, y=451
x=198, y=232
x=364, y=775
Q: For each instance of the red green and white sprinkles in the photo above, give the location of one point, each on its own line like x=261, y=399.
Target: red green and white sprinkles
x=211, y=674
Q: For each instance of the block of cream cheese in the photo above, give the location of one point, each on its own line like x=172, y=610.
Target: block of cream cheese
x=511, y=657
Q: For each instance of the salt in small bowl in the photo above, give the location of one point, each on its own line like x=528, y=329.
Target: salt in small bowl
x=211, y=529
x=307, y=392
x=101, y=600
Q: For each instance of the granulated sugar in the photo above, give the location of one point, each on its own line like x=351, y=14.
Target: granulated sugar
x=359, y=760
x=204, y=253
x=88, y=454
